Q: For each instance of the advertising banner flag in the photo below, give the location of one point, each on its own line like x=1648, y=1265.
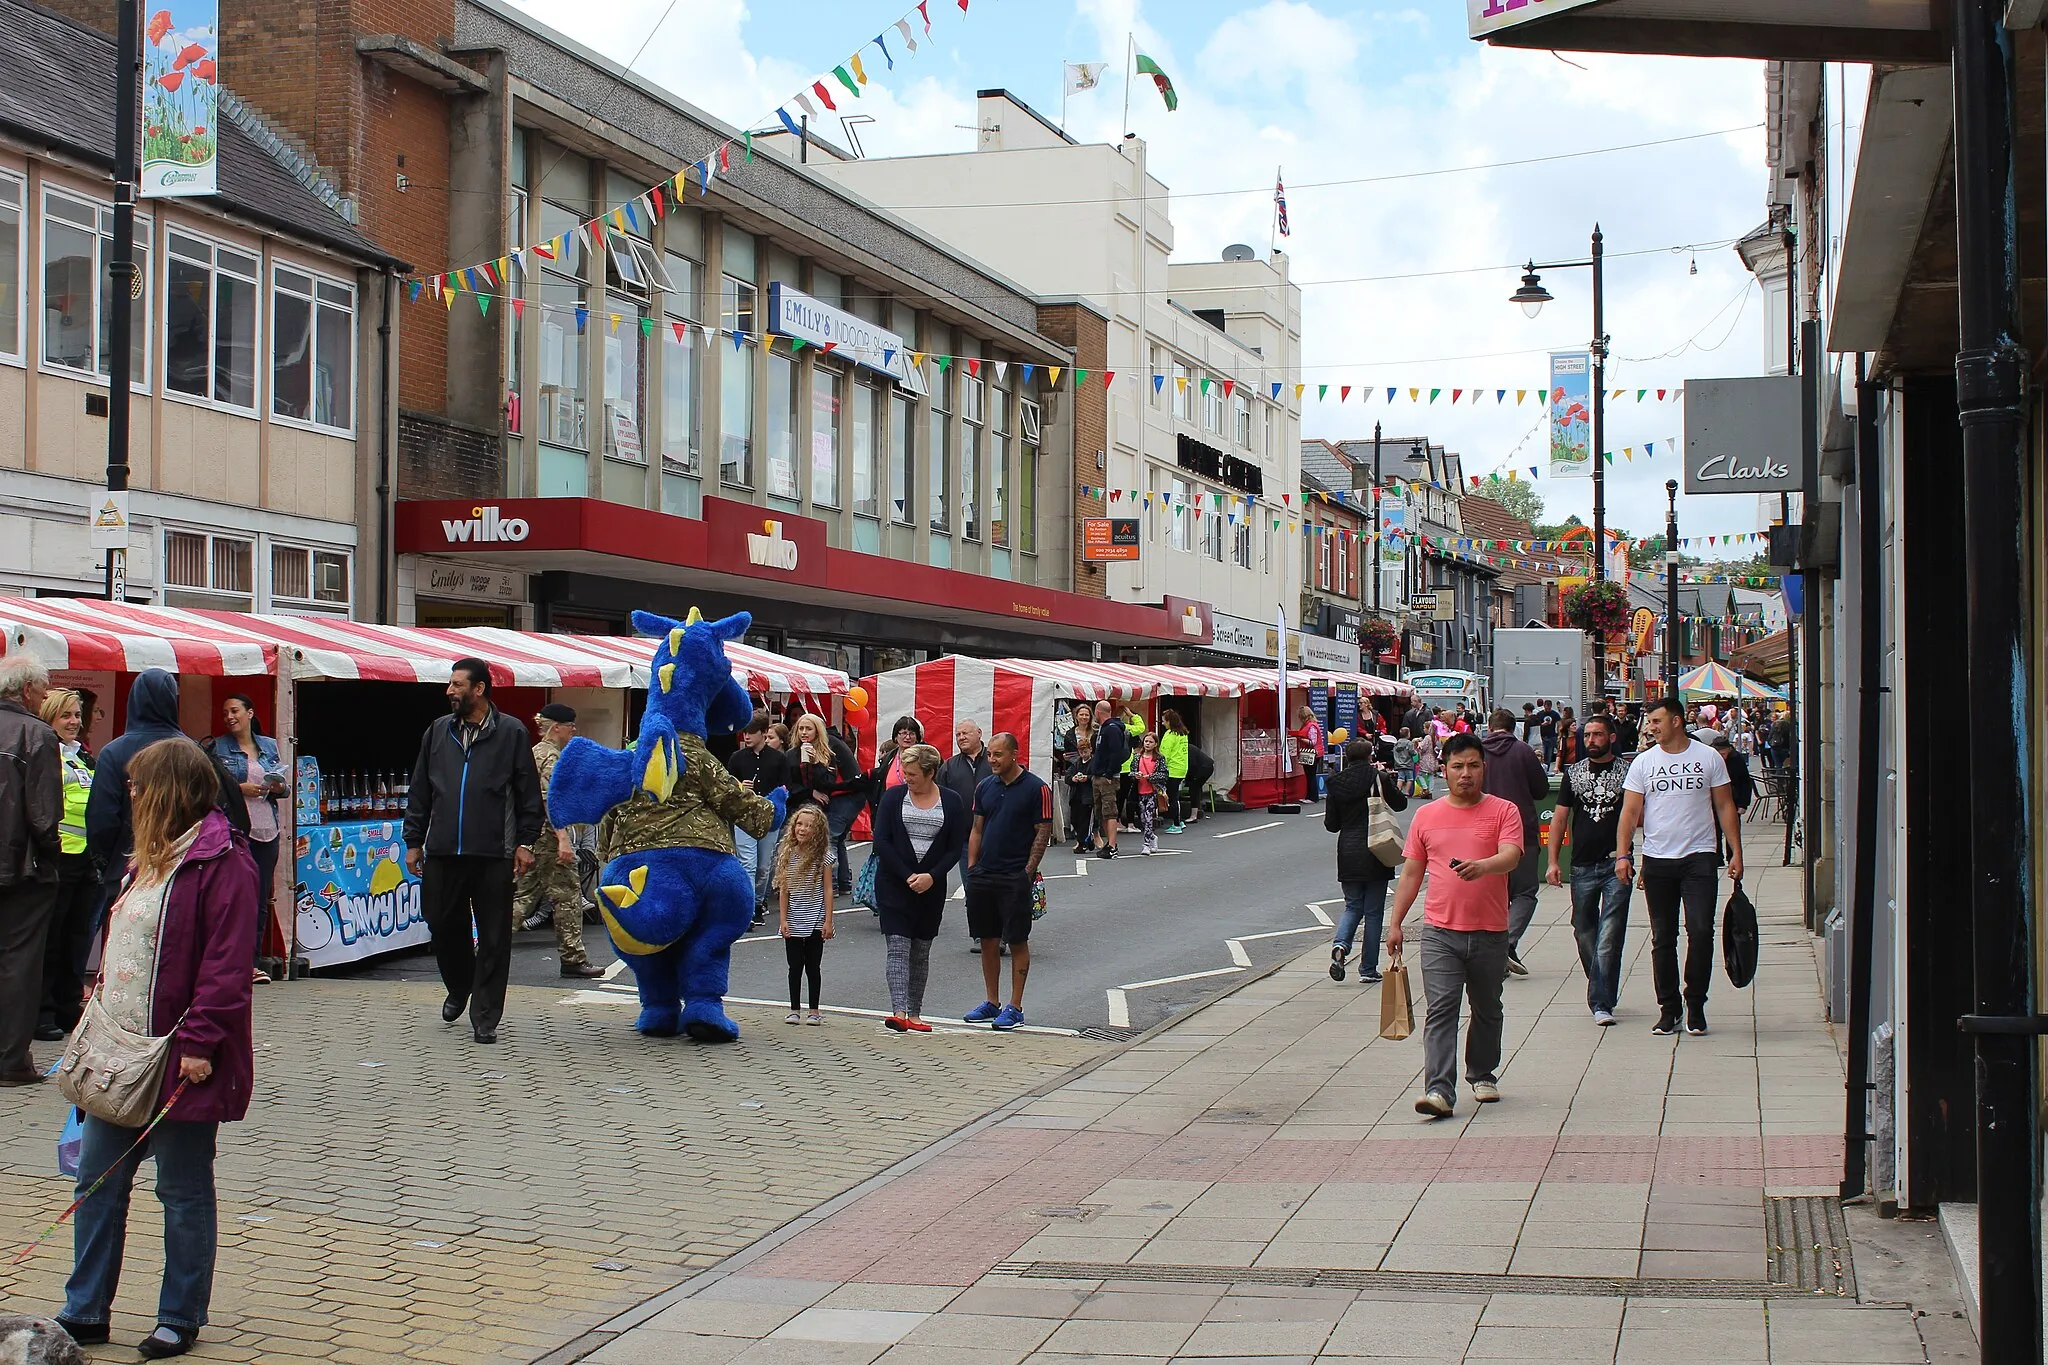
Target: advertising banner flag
x=1571, y=414
x=180, y=100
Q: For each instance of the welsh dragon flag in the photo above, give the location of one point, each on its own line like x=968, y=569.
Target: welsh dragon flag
x=1148, y=67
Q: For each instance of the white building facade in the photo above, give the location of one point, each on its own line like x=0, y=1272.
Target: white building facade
x=1196, y=427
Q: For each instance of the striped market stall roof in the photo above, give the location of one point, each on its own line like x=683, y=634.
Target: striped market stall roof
x=85, y=633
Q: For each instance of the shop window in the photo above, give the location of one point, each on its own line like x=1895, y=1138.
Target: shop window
x=782, y=426
x=201, y=570
x=902, y=452
x=868, y=400
x=314, y=578
x=1027, y=477
x=78, y=242
x=941, y=456
x=632, y=266
x=625, y=381
x=828, y=394
x=11, y=276
x=313, y=350
x=210, y=322
x=736, y=380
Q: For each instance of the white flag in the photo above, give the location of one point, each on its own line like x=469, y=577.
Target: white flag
x=1084, y=75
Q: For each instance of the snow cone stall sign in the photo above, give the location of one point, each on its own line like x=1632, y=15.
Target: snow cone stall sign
x=180, y=100
x=355, y=897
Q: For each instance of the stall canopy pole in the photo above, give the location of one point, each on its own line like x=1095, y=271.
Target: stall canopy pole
x=285, y=881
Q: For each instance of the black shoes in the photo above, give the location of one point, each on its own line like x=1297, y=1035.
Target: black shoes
x=1337, y=956
x=452, y=1008
x=1667, y=1024
x=584, y=970
x=537, y=919
x=49, y=1033
x=167, y=1341
x=85, y=1333
x=1696, y=1020
x=1515, y=967
x=486, y=1035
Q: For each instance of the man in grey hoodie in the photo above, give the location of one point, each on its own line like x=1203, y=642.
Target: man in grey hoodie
x=1515, y=773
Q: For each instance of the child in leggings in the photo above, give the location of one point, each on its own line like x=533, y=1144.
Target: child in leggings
x=803, y=874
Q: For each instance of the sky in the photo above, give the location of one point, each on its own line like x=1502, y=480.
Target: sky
x=1377, y=117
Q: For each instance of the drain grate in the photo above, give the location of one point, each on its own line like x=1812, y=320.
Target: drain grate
x=1810, y=1245
x=1406, y=1281
x=1110, y=1033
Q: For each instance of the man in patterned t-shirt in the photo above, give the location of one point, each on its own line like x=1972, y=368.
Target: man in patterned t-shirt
x=1592, y=790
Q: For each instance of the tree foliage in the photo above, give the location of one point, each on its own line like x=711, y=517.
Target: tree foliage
x=1519, y=498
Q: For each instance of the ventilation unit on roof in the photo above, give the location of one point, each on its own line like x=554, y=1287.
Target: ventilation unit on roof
x=1238, y=251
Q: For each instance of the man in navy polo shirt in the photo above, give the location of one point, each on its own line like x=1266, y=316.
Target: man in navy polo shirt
x=1012, y=826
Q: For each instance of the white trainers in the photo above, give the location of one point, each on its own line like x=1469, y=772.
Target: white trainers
x=1486, y=1092
x=814, y=1018
x=1435, y=1105
x=792, y=1018
x=1604, y=1018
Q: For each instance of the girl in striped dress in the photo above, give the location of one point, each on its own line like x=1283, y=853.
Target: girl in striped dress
x=802, y=872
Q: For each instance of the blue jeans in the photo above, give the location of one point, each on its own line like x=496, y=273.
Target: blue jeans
x=1600, y=923
x=184, y=1186
x=1365, y=904
x=757, y=856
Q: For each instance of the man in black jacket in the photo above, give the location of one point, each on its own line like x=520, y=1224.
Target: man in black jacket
x=474, y=808
x=31, y=808
x=1106, y=766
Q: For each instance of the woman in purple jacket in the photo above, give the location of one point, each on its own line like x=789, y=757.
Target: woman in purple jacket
x=179, y=942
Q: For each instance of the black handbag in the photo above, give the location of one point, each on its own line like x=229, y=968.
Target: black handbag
x=1739, y=938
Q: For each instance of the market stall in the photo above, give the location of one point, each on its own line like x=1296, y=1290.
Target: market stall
x=347, y=701
x=1025, y=696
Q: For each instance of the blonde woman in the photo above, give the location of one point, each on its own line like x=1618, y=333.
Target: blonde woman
x=76, y=917
x=920, y=835
x=179, y=940
x=827, y=773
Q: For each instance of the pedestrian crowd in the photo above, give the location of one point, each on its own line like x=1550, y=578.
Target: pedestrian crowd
x=1476, y=857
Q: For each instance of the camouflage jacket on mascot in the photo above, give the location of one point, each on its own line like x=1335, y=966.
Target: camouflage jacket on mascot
x=672, y=893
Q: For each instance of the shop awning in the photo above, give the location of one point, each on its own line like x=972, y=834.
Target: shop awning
x=85, y=633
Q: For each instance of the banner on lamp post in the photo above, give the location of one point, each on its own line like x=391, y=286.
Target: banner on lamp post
x=1571, y=414
x=180, y=100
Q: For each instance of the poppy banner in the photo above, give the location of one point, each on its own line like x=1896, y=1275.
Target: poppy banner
x=180, y=99
x=1571, y=414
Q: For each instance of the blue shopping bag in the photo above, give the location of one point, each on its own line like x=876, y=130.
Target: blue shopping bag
x=70, y=1143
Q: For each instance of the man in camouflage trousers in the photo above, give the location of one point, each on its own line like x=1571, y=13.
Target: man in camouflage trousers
x=553, y=875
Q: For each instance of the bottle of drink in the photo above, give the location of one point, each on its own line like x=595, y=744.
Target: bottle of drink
x=355, y=796
x=383, y=810
x=402, y=781
x=326, y=798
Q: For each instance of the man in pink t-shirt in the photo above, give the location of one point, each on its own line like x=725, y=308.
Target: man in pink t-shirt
x=1467, y=843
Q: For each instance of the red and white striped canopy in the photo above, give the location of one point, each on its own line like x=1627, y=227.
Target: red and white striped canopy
x=84, y=633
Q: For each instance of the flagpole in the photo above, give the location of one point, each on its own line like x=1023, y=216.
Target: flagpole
x=1130, y=56
x=1065, y=83
x=1273, y=228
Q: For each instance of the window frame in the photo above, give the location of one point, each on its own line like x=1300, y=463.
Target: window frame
x=210, y=539
x=214, y=273
x=312, y=553
x=141, y=380
x=1184, y=392
x=314, y=301
x=22, y=316
x=745, y=298
x=1241, y=415
x=1212, y=407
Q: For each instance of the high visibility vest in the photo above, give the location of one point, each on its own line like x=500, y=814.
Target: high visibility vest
x=77, y=786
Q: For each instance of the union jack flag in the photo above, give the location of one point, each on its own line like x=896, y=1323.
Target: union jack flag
x=1280, y=204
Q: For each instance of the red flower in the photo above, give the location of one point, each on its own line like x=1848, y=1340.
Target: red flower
x=203, y=69
x=154, y=129
x=171, y=80
x=159, y=25
x=184, y=137
x=200, y=131
x=191, y=53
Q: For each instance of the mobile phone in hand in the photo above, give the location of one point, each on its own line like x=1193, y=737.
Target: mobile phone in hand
x=1457, y=863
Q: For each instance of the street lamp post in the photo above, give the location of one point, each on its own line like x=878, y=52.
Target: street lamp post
x=1671, y=621
x=1375, y=516
x=1532, y=296
x=122, y=278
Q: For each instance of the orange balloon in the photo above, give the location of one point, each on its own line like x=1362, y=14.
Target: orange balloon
x=857, y=715
x=857, y=699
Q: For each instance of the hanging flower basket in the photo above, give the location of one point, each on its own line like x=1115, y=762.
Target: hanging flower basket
x=1600, y=609
x=1376, y=636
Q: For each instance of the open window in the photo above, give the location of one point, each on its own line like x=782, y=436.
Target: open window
x=633, y=265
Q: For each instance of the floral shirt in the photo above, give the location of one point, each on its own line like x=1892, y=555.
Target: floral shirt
x=134, y=925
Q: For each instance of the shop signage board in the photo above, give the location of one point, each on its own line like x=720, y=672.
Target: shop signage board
x=109, y=524
x=1344, y=708
x=1109, y=539
x=1746, y=435
x=795, y=314
x=1487, y=17
x=180, y=99
x=1261, y=640
x=1421, y=648
x=1320, y=651
x=1571, y=414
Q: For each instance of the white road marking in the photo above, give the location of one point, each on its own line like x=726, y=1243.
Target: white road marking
x=1237, y=952
x=1176, y=980
x=1248, y=829
x=1322, y=916
x=612, y=971
x=1119, y=1009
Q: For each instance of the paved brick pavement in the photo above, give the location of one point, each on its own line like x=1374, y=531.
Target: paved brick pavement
x=1253, y=1183
x=399, y=1193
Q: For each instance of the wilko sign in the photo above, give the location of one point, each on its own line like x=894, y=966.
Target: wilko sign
x=1486, y=17
x=485, y=526
x=771, y=550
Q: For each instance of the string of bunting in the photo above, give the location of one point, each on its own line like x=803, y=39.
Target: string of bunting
x=849, y=76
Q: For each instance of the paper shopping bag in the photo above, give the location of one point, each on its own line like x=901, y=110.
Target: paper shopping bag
x=1397, y=1007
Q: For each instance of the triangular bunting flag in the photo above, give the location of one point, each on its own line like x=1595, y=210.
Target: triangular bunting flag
x=1158, y=382
x=1108, y=378
x=1080, y=380
x=824, y=95
x=1053, y=373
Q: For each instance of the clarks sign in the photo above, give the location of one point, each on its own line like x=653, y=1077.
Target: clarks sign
x=1745, y=435
x=1484, y=17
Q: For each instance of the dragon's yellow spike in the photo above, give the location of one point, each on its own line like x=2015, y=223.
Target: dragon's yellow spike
x=637, y=879
x=656, y=779
x=675, y=640
x=621, y=896
x=695, y=618
x=624, y=941
x=668, y=676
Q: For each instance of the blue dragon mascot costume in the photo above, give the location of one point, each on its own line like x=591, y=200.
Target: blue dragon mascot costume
x=673, y=892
